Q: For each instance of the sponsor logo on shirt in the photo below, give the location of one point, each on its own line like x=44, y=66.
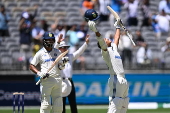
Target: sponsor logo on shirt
x=118, y=57
x=48, y=60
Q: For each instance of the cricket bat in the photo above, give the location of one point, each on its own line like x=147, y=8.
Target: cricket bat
x=117, y=17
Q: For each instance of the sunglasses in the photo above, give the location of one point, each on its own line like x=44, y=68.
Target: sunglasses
x=64, y=47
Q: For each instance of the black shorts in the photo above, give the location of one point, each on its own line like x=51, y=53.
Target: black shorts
x=4, y=32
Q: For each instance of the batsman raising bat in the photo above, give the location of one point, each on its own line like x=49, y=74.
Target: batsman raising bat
x=51, y=82
x=118, y=93
x=121, y=24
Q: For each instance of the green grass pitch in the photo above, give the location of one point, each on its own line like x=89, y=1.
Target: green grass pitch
x=96, y=111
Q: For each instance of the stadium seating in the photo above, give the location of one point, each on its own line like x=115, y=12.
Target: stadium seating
x=51, y=10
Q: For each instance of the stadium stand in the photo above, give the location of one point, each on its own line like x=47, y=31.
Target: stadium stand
x=50, y=10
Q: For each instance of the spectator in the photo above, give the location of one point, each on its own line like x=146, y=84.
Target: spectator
x=61, y=29
x=116, y=6
x=127, y=50
x=164, y=5
x=82, y=32
x=37, y=33
x=72, y=38
x=139, y=38
x=103, y=11
x=132, y=12
x=4, y=19
x=44, y=25
x=146, y=13
x=25, y=40
x=155, y=27
x=58, y=28
x=163, y=22
x=85, y=5
x=144, y=55
x=25, y=29
x=53, y=29
x=164, y=48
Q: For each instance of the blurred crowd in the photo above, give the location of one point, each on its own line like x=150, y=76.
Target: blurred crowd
x=155, y=17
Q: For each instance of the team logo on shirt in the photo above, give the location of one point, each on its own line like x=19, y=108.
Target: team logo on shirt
x=55, y=54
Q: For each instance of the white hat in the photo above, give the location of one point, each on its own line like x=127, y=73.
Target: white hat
x=66, y=87
x=25, y=15
x=63, y=44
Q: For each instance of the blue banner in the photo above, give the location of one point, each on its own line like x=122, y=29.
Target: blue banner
x=93, y=89
x=31, y=96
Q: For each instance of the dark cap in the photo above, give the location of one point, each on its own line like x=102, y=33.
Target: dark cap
x=48, y=35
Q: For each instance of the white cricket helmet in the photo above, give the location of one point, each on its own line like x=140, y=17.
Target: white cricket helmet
x=66, y=87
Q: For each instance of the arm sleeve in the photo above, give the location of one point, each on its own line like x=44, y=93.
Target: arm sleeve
x=102, y=43
x=105, y=56
x=79, y=51
x=34, y=33
x=36, y=59
x=56, y=45
x=42, y=32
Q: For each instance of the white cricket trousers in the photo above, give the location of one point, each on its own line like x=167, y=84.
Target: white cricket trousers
x=118, y=94
x=118, y=105
x=51, y=95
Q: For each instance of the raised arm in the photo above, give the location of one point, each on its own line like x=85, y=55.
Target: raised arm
x=92, y=26
x=81, y=49
x=117, y=34
x=57, y=42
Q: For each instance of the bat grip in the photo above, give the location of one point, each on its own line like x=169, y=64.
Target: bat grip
x=38, y=81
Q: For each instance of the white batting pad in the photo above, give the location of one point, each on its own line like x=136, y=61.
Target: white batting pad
x=66, y=87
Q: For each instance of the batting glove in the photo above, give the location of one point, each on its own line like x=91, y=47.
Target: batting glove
x=62, y=62
x=118, y=23
x=92, y=26
x=43, y=75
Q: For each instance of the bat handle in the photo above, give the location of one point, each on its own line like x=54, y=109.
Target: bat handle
x=38, y=81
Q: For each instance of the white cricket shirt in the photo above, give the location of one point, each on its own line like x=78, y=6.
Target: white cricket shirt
x=46, y=59
x=113, y=60
x=67, y=71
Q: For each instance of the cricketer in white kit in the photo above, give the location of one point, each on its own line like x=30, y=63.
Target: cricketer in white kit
x=51, y=84
x=118, y=93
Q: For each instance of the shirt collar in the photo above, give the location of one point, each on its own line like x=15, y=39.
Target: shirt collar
x=46, y=50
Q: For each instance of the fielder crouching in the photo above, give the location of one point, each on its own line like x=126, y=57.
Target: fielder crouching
x=118, y=93
x=51, y=84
